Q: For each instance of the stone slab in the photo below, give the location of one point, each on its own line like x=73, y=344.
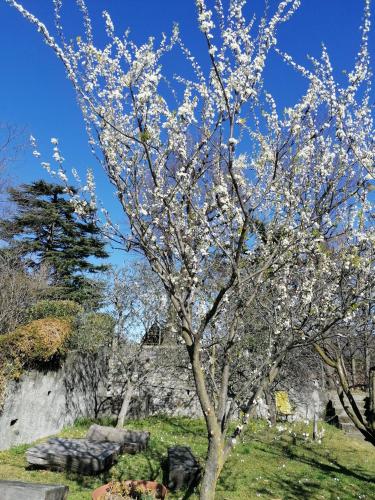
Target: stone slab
x=18, y=490
x=130, y=441
x=182, y=468
x=76, y=455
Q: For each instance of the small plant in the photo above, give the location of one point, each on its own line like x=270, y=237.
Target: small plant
x=128, y=491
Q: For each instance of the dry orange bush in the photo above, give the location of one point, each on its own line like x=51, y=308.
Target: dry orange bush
x=39, y=340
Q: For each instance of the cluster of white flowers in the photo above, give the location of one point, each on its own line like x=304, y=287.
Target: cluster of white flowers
x=290, y=218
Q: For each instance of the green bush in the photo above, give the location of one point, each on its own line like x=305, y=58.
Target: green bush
x=55, y=309
x=92, y=332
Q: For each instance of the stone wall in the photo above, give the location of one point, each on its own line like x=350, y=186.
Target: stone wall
x=164, y=384
x=41, y=403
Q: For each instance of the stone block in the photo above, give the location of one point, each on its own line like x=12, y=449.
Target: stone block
x=76, y=455
x=182, y=468
x=130, y=441
x=18, y=490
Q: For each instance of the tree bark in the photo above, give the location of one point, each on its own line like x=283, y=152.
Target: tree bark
x=372, y=397
x=315, y=426
x=215, y=452
x=270, y=405
x=125, y=404
x=354, y=370
x=214, y=464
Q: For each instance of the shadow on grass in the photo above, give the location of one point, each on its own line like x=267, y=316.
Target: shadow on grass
x=292, y=489
x=179, y=424
x=292, y=483
x=317, y=460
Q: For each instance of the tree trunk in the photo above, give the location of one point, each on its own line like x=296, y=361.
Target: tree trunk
x=125, y=404
x=354, y=370
x=315, y=427
x=215, y=452
x=367, y=363
x=271, y=406
x=372, y=397
x=214, y=464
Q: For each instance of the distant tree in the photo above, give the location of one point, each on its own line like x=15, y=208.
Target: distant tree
x=139, y=302
x=354, y=333
x=11, y=144
x=18, y=291
x=48, y=234
x=93, y=332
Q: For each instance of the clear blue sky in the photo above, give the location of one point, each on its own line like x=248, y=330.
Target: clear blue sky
x=35, y=93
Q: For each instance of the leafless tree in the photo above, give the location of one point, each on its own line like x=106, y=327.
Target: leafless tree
x=138, y=301
x=11, y=145
x=18, y=290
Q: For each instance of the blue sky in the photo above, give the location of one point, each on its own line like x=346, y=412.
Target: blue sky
x=34, y=92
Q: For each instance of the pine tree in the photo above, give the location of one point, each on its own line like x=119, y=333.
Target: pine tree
x=48, y=234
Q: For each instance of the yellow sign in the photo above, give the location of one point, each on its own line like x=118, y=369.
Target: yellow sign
x=282, y=403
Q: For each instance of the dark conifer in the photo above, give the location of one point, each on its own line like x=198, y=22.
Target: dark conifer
x=48, y=234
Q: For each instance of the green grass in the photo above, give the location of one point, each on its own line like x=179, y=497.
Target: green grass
x=272, y=463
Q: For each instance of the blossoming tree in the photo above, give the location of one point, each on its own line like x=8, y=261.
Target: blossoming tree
x=223, y=192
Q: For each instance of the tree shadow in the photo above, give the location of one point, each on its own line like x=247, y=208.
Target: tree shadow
x=291, y=485
x=318, y=461
x=176, y=423
x=83, y=377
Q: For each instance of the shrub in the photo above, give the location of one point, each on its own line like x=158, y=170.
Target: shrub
x=39, y=340
x=92, y=332
x=55, y=309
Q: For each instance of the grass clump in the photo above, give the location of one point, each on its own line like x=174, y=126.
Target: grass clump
x=270, y=463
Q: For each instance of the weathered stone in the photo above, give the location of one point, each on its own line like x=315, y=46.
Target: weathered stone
x=130, y=441
x=183, y=468
x=77, y=455
x=17, y=490
x=42, y=402
x=337, y=416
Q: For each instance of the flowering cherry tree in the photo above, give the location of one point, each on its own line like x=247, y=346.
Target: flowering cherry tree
x=222, y=192
x=353, y=303
x=324, y=299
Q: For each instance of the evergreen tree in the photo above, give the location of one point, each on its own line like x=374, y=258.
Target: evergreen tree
x=48, y=234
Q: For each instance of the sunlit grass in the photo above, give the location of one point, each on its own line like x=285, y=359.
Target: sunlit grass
x=275, y=463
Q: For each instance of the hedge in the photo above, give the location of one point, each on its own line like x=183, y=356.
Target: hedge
x=54, y=309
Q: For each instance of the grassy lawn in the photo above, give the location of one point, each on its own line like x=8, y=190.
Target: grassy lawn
x=275, y=463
